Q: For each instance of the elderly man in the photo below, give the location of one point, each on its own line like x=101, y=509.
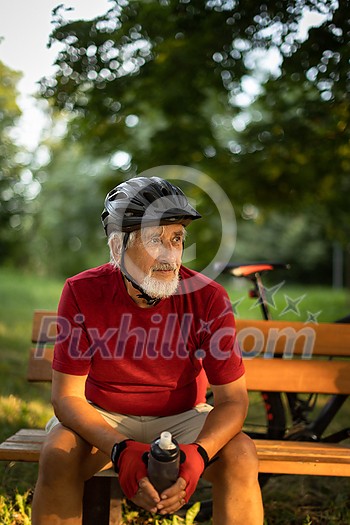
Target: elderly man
x=146, y=335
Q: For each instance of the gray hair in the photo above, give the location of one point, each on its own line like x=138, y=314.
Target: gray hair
x=115, y=243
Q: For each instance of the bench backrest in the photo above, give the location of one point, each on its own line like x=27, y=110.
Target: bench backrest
x=303, y=352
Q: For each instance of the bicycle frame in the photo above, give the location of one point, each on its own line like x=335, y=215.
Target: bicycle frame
x=315, y=429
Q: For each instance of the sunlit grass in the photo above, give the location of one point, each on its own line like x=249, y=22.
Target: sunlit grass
x=21, y=404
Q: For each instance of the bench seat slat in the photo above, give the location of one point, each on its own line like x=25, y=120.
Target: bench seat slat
x=317, y=450
x=26, y=439
x=35, y=433
x=303, y=468
x=20, y=452
x=276, y=457
x=297, y=457
x=25, y=445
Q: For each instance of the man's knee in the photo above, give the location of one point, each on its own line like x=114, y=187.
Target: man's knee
x=240, y=452
x=237, y=459
x=62, y=457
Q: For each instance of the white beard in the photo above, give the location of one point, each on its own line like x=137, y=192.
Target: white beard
x=159, y=289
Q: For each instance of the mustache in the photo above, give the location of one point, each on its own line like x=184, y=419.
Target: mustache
x=164, y=267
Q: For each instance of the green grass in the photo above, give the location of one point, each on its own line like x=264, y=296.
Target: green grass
x=290, y=302
x=288, y=500
x=304, y=500
x=21, y=404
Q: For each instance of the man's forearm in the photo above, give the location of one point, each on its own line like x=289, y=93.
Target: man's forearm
x=223, y=423
x=81, y=417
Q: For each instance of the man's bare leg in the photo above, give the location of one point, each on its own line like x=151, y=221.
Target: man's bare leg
x=66, y=461
x=236, y=491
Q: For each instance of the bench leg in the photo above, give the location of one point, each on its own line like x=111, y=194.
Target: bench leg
x=102, y=501
x=115, y=509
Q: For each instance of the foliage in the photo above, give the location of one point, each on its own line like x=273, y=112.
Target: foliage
x=68, y=236
x=313, y=507
x=151, y=76
x=17, y=512
x=299, y=145
x=295, y=238
x=133, y=516
x=11, y=187
x=162, y=79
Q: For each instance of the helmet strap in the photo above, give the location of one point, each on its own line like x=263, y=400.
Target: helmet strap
x=151, y=301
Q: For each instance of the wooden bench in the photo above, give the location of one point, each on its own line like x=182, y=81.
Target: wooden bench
x=303, y=369
x=303, y=366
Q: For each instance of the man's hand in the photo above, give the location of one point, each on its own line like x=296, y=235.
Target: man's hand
x=193, y=462
x=194, y=459
x=146, y=497
x=128, y=460
x=168, y=502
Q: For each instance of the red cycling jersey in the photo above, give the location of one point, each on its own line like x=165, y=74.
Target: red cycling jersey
x=146, y=361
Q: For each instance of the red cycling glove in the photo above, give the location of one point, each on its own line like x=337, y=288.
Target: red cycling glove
x=194, y=459
x=128, y=460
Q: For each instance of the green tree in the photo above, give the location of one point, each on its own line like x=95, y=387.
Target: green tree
x=12, y=187
x=149, y=77
x=161, y=80
x=299, y=149
x=67, y=235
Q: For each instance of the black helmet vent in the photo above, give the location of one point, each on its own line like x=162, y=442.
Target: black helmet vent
x=145, y=201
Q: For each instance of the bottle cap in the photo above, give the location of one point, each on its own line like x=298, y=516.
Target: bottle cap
x=166, y=442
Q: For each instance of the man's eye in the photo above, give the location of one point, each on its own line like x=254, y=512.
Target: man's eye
x=155, y=240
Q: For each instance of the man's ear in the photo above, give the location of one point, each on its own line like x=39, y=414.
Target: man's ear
x=115, y=247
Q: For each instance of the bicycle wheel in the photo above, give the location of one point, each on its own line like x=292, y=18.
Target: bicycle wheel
x=266, y=420
x=315, y=417
x=266, y=416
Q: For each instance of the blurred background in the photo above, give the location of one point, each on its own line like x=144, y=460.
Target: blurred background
x=254, y=94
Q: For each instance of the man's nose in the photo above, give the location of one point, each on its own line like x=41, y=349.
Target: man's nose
x=168, y=253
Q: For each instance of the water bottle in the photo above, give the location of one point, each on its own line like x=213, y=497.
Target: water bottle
x=163, y=462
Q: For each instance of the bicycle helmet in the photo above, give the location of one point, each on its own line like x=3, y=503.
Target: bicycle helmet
x=144, y=201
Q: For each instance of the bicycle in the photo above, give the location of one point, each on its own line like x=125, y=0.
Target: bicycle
x=287, y=415
x=274, y=415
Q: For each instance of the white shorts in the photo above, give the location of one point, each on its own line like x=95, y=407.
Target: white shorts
x=184, y=427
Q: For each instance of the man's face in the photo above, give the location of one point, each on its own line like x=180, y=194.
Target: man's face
x=154, y=259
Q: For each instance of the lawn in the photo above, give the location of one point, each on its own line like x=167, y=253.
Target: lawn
x=288, y=500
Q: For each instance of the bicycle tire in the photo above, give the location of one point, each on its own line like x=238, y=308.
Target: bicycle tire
x=303, y=419
x=274, y=424
x=266, y=417
x=279, y=412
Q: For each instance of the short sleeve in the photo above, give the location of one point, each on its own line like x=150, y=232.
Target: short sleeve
x=71, y=352
x=223, y=358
